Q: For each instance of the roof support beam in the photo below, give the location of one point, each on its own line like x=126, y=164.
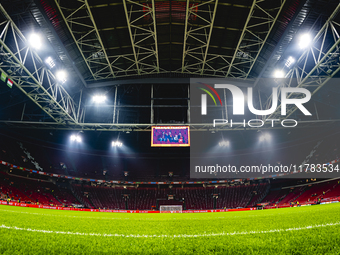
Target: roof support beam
x=293, y=22
x=83, y=29
x=209, y=36
x=251, y=40
x=124, y=127
x=316, y=66
x=30, y=74
x=168, y=24
x=115, y=4
x=58, y=40
x=143, y=39
x=194, y=59
x=99, y=38
x=241, y=37
x=255, y=33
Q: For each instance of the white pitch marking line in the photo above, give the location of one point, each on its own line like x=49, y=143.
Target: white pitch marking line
x=111, y=218
x=105, y=218
x=87, y=217
x=170, y=236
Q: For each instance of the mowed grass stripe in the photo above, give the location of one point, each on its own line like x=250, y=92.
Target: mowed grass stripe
x=161, y=224
x=170, y=236
x=304, y=230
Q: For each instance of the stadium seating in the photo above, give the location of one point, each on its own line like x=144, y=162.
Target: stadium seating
x=291, y=195
x=274, y=196
x=10, y=189
x=35, y=191
x=140, y=198
x=314, y=192
x=34, y=188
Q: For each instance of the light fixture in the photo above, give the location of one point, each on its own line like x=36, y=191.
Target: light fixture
x=76, y=138
x=279, y=74
x=98, y=99
x=265, y=137
x=290, y=61
x=116, y=144
x=224, y=143
x=35, y=41
x=61, y=76
x=49, y=61
x=305, y=41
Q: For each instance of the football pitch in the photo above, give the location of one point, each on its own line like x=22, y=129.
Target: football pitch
x=303, y=230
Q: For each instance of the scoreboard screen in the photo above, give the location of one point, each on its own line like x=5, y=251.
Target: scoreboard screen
x=170, y=136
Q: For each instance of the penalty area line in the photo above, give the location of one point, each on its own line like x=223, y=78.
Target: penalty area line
x=169, y=236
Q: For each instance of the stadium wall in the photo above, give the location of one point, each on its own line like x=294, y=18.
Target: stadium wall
x=117, y=211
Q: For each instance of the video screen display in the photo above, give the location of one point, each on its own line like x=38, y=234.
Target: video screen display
x=170, y=136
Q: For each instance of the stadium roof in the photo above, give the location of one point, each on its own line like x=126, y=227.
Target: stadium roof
x=103, y=44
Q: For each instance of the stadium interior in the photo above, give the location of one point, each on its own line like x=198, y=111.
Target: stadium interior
x=143, y=78
x=85, y=82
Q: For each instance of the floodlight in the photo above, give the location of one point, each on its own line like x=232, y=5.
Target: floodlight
x=35, y=41
x=290, y=61
x=99, y=99
x=76, y=138
x=61, y=75
x=116, y=144
x=265, y=137
x=279, y=74
x=305, y=40
x=224, y=144
x=49, y=61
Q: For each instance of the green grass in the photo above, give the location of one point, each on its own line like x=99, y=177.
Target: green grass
x=166, y=232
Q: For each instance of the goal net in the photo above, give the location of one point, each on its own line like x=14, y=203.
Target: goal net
x=170, y=209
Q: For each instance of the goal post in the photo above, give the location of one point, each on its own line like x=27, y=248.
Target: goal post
x=170, y=208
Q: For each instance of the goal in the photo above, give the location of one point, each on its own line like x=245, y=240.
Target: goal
x=170, y=209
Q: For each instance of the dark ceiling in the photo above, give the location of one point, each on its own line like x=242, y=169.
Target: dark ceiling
x=87, y=35
x=103, y=43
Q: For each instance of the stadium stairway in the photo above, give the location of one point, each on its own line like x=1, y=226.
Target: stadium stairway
x=57, y=199
x=273, y=196
x=291, y=195
x=265, y=194
x=335, y=190
x=80, y=195
x=261, y=192
x=302, y=190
